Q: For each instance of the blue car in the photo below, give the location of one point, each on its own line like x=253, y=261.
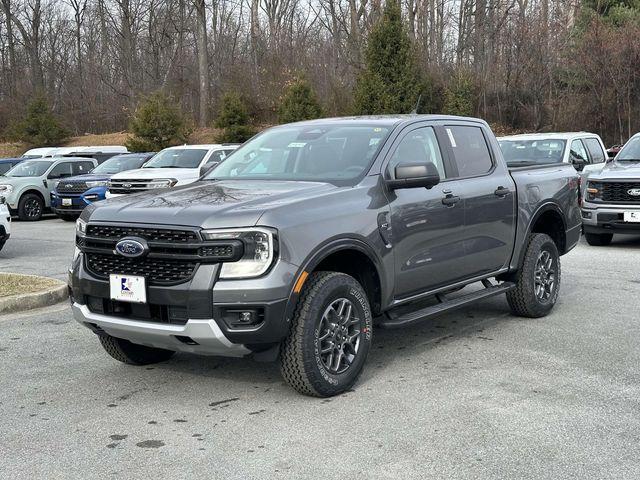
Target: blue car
x=7, y=164
x=71, y=195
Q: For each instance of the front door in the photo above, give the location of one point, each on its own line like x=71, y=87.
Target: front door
x=427, y=235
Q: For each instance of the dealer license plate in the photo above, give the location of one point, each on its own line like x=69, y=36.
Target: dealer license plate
x=67, y=202
x=127, y=288
x=633, y=217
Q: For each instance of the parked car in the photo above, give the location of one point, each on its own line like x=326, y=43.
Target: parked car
x=585, y=151
x=611, y=203
x=7, y=164
x=170, y=167
x=27, y=186
x=99, y=152
x=71, y=196
x=309, y=231
x=5, y=223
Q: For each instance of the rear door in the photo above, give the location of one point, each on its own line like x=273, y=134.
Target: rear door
x=489, y=199
x=426, y=233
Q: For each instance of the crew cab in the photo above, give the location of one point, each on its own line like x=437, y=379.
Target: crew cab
x=584, y=150
x=170, y=167
x=69, y=197
x=27, y=186
x=611, y=203
x=5, y=223
x=313, y=234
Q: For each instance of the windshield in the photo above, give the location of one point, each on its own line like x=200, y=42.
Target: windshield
x=29, y=168
x=31, y=156
x=177, y=158
x=120, y=163
x=532, y=152
x=325, y=153
x=630, y=152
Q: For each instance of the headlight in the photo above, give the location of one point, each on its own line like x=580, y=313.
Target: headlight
x=162, y=183
x=593, y=191
x=259, y=251
x=6, y=188
x=97, y=183
x=81, y=226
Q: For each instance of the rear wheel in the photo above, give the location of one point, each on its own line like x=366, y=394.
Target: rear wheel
x=30, y=207
x=330, y=336
x=538, y=281
x=133, y=354
x=598, y=239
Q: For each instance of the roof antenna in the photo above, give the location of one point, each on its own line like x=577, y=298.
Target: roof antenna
x=415, y=109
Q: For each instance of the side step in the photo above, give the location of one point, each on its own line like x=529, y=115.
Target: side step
x=444, y=304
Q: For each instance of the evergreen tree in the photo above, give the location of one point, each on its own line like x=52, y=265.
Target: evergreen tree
x=459, y=96
x=390, y=82
x=299, y=103
x=40, y=127
x=156, y=124
x=233, y=119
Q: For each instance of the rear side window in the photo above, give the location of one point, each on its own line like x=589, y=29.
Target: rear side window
x=595, y=150
x=470, y=150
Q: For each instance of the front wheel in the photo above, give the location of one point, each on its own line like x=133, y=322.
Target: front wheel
x=330, y=336
x=68, y=217
x=133, y=354
x=538, y=280
x=30, y=207
x=598, y=239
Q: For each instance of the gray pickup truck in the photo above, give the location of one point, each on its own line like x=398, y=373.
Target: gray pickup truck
x=312, y=234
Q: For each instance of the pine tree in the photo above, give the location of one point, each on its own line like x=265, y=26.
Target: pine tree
x=40, y=127
x=156, y=124
x=233, y=119
x=390, y=82
x=299, y=103
x=459, y=96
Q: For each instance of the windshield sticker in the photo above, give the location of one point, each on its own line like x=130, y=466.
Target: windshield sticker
x=296, y=145
x=451, y=139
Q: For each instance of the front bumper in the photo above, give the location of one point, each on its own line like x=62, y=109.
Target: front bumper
x=601, y=218
x=202, y=301
x=79, y=201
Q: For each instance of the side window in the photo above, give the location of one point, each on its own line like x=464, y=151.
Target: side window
x=418, y=146
x=470, y=150
x=578, y=151
x=216, y=157
x=82, y=167
x=595, y=150
x=61, y=170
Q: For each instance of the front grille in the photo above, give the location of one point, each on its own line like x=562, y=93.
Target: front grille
x=115, y=232
x=145, y=312
x=71, y=187
x=155, y=270
x=119, y=187
x=617, y=192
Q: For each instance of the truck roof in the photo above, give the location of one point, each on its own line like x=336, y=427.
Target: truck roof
x=550, y=135
x=386, y=120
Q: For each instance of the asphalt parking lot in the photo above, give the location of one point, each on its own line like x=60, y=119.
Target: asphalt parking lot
x=477, y=394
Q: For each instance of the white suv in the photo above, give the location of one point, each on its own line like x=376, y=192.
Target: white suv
x=5, y=223
x=170, y=167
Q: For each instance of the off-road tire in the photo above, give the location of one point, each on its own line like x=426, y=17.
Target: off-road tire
x=598, y=239
x=300, y=360
x=133, y=354
x=23, y=205
x=522, y=299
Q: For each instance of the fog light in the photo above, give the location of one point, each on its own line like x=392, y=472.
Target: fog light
x=586, y=214
x=242, y=317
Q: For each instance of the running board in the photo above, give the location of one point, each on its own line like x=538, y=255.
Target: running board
x=445, y=304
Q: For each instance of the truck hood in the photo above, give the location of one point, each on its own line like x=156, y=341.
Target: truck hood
x=618, y=171
x=180, y=174
x=88, y=177
x=221, y=204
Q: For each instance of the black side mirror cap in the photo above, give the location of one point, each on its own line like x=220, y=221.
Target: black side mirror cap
x=414, y=175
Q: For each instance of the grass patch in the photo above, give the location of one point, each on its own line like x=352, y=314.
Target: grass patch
x=14, y=284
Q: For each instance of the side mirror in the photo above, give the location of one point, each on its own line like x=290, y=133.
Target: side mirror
x=412, y=175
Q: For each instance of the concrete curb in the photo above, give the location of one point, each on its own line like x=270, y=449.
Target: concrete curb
x=28, y=301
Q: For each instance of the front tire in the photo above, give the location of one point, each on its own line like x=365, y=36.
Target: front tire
x=538, y=281
x=30, y=207
x=598, y=239
x=67, y=217
x=330, y=336
x=133, y=354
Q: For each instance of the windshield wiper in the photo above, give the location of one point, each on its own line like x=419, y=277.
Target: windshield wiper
x=167, y=166
x=628, y=160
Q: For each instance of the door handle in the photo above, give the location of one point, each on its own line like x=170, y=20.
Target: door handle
x=450, y=200
x=502, y=192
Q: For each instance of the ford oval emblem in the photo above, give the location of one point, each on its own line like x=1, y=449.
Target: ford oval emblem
x=634, y=192
x=132, y=247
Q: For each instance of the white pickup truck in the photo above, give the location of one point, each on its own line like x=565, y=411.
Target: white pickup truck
x=5, y=222
x=170, y=167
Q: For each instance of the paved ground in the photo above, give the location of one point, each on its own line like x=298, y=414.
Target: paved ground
x=473, y=395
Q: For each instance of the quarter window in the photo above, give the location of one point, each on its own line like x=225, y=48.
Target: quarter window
x=418, y=146
x=595, y=150
x=470, y=151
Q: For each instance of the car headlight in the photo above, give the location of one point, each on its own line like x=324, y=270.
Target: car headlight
x=593, y=191
x=162, y=183
x=81, y=226
x=6, y=188
x=97, y=183
x=259, y=251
